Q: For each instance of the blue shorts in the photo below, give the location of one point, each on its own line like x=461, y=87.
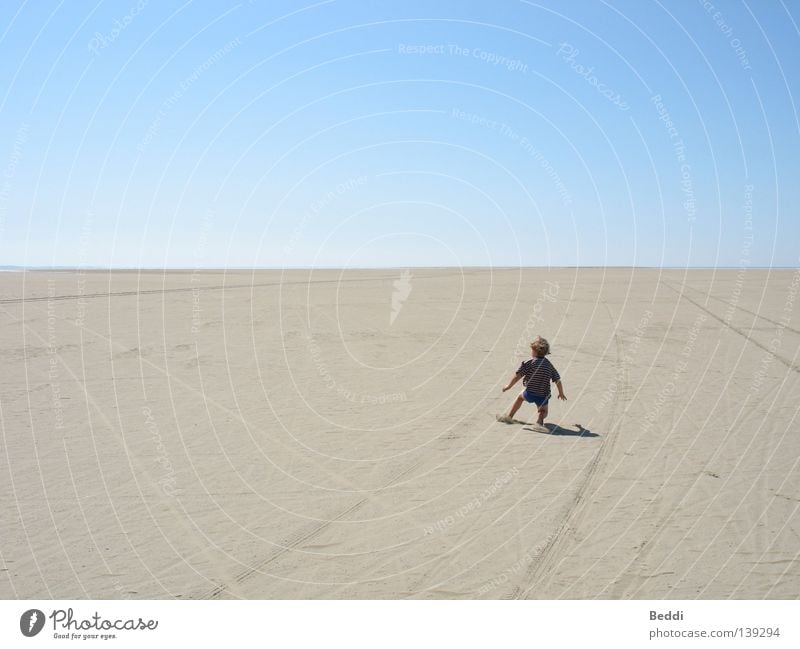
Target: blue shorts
x=538, y=399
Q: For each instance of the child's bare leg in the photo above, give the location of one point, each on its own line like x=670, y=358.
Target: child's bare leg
x=515, y=407
x=542, y=414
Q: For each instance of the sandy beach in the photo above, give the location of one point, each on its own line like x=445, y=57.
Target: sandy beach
x=332, y=434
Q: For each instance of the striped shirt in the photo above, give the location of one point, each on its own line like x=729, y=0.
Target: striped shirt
x=537, y=374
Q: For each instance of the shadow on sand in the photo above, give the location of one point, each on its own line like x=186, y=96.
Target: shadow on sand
x=555, y=429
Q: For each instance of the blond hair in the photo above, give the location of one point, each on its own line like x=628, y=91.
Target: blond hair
x=540, y=346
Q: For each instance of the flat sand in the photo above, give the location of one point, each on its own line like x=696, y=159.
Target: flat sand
x=332, y=434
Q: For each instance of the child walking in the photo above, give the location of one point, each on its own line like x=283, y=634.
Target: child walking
x=536, y=375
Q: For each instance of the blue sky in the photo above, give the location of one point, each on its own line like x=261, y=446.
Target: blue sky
x=344, y=134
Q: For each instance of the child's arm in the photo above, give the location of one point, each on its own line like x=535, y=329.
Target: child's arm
x=511, y=383
x=561, y=394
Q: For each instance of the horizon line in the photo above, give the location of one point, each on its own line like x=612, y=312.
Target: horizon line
x=14, y=268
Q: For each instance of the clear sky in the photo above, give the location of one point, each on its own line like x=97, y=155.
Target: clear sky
x=343, y=133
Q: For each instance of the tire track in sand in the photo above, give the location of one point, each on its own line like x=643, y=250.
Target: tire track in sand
x=544, y=560
x=304, y=534
x=632, y=581
x=214, y=287
x=784, y=361
x=737, y=307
